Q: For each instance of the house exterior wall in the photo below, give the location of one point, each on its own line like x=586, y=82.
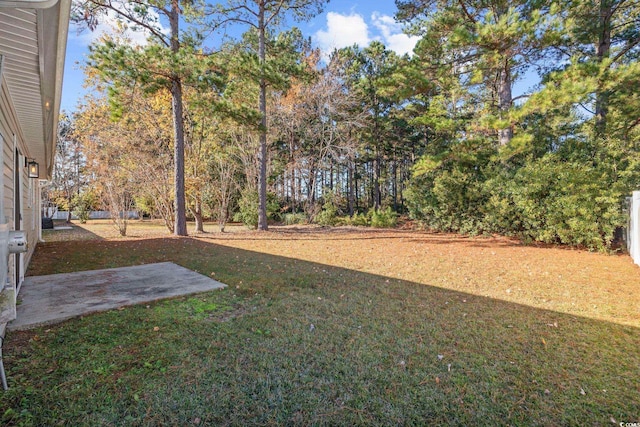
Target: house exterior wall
x=11, y=141
x=30, y=214
x=33, y=35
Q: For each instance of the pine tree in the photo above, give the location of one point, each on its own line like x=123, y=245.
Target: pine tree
x=167, y=62
x=265, y=16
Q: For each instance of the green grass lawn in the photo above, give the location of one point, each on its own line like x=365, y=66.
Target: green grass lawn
x=313, y=331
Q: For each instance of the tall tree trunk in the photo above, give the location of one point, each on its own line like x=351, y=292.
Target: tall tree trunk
x=351, y=184
x=405, y=175
x=377, y=194
x=292, y=183
x=311, y=192
x=180, y=228
x=505, y=100
x=69, y=211
x=356, y=193
x=283, y=186
x=197, y=215
x=395, y=184
x=294, y=199
x=369, y=167
x=299, y=186
x=311, y=188
x=603, y=48
x=331, y=176
x=262, y=176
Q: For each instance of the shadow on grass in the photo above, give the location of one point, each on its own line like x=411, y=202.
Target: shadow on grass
x=294, y=342
x=63, y=234
x=366, y=233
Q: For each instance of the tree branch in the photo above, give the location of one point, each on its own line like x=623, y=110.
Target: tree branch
x=627, y=48
x=275, y=13
x=108, y=5
x=466, y=11
x=615, y=8
x=236, y=19
x=586, y=109
x=630, y=128
x=625, y=24
x=524, y=95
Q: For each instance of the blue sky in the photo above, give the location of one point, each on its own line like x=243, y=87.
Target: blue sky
x=343, y=23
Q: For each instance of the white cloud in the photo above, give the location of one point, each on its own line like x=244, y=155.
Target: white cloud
x=342, y=31
x=392, y=34
x=401, y=43
x=347, y=30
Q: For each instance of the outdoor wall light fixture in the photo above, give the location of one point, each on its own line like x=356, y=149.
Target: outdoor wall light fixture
x=33, y=168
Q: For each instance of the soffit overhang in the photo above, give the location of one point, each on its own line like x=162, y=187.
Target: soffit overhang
x=33, y=38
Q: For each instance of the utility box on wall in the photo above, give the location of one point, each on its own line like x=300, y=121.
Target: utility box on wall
x=17, y=242
x=11, y=242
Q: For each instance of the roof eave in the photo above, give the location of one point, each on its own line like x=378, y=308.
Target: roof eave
x=52, y=29
x=53, y=40
x=29, y=4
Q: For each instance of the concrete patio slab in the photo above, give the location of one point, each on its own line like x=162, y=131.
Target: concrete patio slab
x=58, y=297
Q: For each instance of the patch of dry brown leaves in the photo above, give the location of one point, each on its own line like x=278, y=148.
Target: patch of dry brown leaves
x=593, y=285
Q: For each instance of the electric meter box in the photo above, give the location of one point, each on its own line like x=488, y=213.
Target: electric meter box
x=17, y=242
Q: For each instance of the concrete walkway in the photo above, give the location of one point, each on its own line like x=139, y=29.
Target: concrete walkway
x=57, y=297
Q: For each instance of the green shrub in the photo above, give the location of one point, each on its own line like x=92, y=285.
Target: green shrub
x=145, y=205
x=571, y=195
x=360, y=220
x=556, y=201
x=328, y=216
x=357, y=220
x=449, y=200
x=294, y=218
x=248, y=208
x=83, y=204
x=386, y=218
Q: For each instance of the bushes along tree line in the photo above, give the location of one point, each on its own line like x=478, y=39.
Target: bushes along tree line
x=447, y=135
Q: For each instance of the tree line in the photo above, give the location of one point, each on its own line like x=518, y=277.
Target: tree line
x=512, y=117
